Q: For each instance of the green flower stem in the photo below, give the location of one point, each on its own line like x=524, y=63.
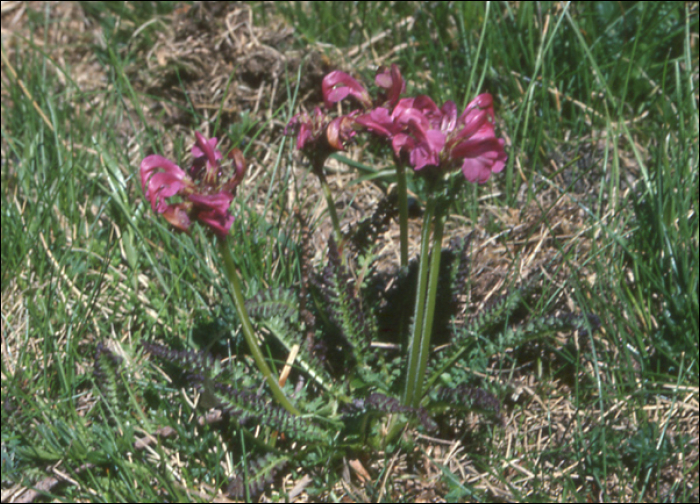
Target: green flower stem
x=329, y=201
x=232, y=274
x=415, y=345
x=403, y=210
x=403, y=229
x=436, y=254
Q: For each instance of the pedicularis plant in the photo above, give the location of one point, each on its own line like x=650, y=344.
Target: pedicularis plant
x=347, y=396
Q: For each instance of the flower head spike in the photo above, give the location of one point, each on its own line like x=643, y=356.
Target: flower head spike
x=431, y=136
x=308, y=128
x=318, y=135
x=206, y=192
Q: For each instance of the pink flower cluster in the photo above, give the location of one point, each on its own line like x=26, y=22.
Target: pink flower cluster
x=437, y=138
x=422, y=134
x=318, y=135
x=206, y=192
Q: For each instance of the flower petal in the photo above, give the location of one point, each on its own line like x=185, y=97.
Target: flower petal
x=219, y=202
x=392, y=81
x=239, y=163
x=481, y=158
x=212, y=210
x=217, y=222
x=449, y=116
x=206, y=148
x=347, y=86
x=484, y=101
x=161, y=186
x=308, y=128
x=378, y=121
x=177, y=216
x=154, y=162
x=402, y=105
x=429, y=144
x=475, y=124
x=425, y=104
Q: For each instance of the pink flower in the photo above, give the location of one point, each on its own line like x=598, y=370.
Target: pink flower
x=410, y=129
x=380, y=121
x=161, y=184
x=212, y=210
x=474, y=141
x=309, y=128
x=391, y=80
x=340, y=131
x=206, y=157
x=429, y=136
x=318, y=135
x=338, y=85
x=413, y=135
x=206, y=193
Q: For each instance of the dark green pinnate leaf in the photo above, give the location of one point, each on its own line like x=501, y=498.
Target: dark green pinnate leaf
x=342, y=304
x=189, y=360
x=261, y=472
x=465, y=397
x=106, y=377
x=244, y=406
x=279, y=302
x=386, y=404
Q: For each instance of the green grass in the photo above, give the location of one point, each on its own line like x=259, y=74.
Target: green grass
x=84, y=259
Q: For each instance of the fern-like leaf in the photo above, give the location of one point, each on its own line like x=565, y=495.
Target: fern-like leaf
x=261, y=472
x=310, y=361
x=343, y=306
x=106, y=377
x=244, y=406
x=198, y=366
x=460, y=278
x=370, y=228
x=465, y=397
x=190, y=360
x=280, y=302
x=542, y=326
x=499, y=311
x=386, y=404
